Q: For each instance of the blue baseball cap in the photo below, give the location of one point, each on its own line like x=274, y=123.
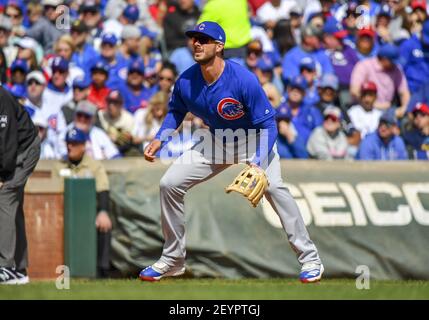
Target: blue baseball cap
x=136, y=66
x=131, y=13
x=100, y=66
x=19, y=64
x=425, y=33
x=109, y=38
x=329, y=80
x=81, y=82
x=145, y=32
x=307, y=63
x=59, y=63
x=298, y=82
x=333, y=27
x=18, y=91
x=386, y=11
x=388, y=51
x=265, y=64
x=388, y=116
x=210, y=29
x=76, y=135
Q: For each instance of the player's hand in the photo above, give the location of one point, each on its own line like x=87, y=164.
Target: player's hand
x=103, y=222
x=151, y=149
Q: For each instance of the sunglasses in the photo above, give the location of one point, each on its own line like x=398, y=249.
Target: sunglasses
x=14, y=16
x=333, y=118
x=202, y=39
x=83, y=115
x=58, y=71
x=255, y=52
x=31, y=82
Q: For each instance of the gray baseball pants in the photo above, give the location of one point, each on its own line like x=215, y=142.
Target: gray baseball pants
x=194, y=167
x=13, y=240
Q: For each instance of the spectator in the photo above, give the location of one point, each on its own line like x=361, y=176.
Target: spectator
x=387, y=75
x=43, y=23
x=47, y=149
x=420, y=96
x=274, y=10
x=264, y=70
x=382, y=22
x=364, y=116
x=305, y=118
x=309, y=47
x=327, y=91
x=416, y=69
x=80, y=92
x=416, y=133
x=179, y=18
x=253, y=53
x=149, y=120
x=307, y=68
x=99, y=146
x=5, y=32
x=79, y=164
x=285, y=36
x=135, y=94
x=84, y=54
x=57, y=92
x=15, y=12
x=35, y=84
x=90, y=13
x=343, y=57
x=418, y=16
x=118, y=124
x=149, y=53
x=110, y=56
x=30, y=51
x=383, y=144
x=328, y=142
x=167, y=78
x=129, y=16
x=233, y=16
x=273, y=94
x=18, y=70
x=366, y=45
x=98, y=90
x=182, y=57
x=64, y=47
x=289, y=143
x=130, y=46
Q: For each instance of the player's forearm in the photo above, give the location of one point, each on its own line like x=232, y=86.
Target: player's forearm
x=266, y=144
x=171, y=122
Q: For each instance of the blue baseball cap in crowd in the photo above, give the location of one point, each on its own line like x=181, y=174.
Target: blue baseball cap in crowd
x=386, y=11
x=388, y=117
x=18, y=91
x=329, y=80
x=145, y=32
x=333, y=27
x=307, y=63
x=76, y=135
x=136, y=66
x=19, y=64
x=100, y=66
x=131, y=13
x=59, y=63
x=109, y=38
x=210, y=29
x=265, y=64
x=298, y=82
x=81, y=83
x=425, y=33
x=388, y=51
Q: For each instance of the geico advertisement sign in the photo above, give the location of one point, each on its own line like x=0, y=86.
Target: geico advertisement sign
x=343, y=204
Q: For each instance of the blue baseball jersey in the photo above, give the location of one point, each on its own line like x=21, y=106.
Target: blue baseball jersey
x=235, y=100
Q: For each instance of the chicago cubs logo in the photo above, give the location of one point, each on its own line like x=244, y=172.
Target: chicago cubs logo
x=201, y=27
x=230, y=109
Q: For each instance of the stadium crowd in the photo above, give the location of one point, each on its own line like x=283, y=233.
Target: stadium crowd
x=348, y=79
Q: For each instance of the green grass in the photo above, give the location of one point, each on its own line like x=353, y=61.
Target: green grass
x=218, y=289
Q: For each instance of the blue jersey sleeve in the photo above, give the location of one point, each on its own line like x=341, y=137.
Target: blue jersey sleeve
x=256, y=101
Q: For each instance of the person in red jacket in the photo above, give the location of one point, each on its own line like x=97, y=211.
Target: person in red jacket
x=98, y=90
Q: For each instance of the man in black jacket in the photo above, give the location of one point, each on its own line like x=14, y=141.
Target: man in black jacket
x=19, y=153
x=179, y=18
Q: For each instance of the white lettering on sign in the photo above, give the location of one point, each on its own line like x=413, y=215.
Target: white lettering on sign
x=329, y=204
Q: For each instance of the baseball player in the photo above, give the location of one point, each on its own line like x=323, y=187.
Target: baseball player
x=224, y=95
